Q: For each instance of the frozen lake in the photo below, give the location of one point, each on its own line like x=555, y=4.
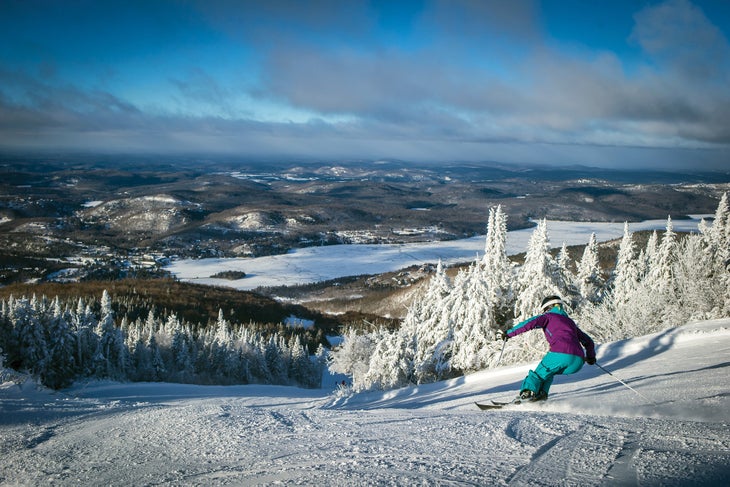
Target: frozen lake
x=315, y=264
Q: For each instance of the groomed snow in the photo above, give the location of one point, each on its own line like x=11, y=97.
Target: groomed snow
x=314, y=264
x=592, y=431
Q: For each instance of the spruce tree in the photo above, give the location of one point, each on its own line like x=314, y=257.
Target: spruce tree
x=87, y=342
x=157, y=364
x=476, y=326
x=353, y=357
x=625, y=276
x=110, y=359
x=589, y=279
x=565, y=276
x=432, y=325
x=699, y=290
x=716, y=240
x=59, y=368
x=537, y=277
x=661, y=274
x=28, y=347
x=182, y=356
x=497, y=270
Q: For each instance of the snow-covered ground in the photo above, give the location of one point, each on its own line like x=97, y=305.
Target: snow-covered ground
x=314, y=264
x=674, y=430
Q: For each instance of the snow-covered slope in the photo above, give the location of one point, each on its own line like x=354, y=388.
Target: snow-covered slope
x=593, y=431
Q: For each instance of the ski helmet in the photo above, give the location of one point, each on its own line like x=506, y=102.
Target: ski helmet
x=549, y=302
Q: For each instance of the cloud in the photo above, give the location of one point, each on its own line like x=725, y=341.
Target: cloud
x=449, y=67
x=467, y=22
x=545, y=96
x=679, y=36
x=454, y=80
x=200, y=93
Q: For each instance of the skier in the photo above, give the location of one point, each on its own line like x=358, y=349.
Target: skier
x=567, y=344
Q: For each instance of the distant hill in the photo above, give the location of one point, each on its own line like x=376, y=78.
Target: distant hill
x=73, y=218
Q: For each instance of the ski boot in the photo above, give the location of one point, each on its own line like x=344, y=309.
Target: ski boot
x=529, y=396
x=540, y=396
x=526, y=395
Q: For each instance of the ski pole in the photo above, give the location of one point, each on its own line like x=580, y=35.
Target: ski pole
x=625, y=384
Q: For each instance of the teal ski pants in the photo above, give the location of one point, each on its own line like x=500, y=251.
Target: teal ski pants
x=554, y=363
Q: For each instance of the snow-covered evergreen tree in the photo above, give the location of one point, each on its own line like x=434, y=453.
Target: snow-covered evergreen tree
x=157, y=364
x=565, y=276
x=661, y=274
x=700, y=294
x=625, y=276
x=434, y=328
x=320, y=361
x=588, y=277
x=716, y=241
x=615, y=312
x=182, y=353
x=718, y=235
x=476, y=325
x=498, y=271
x=87, y=342
x=299, y=364
x=255, y=367
x=389, y=365
x=110, y=357
x=353, y=358
x=222, y=329
x=59, y=368
x=6, y=326
x=28, y=347
x=275, y=362
x=538, y=276
x=141, y=361
x=648, y=256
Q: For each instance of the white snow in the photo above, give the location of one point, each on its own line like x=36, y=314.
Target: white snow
x=592, y=430
x=295, y=321
x=315, y=264
x=160, y=198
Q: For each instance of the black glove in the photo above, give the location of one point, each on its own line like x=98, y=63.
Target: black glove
x=591, y=360
x=501, y=335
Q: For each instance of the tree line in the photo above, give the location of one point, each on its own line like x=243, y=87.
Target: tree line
x=451, y=328
x=61, y=342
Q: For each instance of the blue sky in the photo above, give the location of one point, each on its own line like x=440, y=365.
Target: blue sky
x=642, y=84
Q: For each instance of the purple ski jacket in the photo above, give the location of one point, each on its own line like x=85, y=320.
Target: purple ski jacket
x=561, y=332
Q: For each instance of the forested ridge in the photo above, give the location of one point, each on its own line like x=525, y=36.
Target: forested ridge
x=196, y=303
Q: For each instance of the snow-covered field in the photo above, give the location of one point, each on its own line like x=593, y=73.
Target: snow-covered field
x=315, y=264
x=674, y=430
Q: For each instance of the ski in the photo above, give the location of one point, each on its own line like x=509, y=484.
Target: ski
x=496, y=404
x=485, y=407
x=501, y=404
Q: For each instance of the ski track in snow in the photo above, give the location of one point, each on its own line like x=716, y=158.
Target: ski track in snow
x=592, y=431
